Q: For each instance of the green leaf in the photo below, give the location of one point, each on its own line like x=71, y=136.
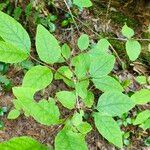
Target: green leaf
x=84, y=128
x=21, y=92
x=133, y=49
x=142, y=117
x=13, y=114
x=101, y=46
x=69, y=140
x=65, y=74
x=81, y=88
x=22, y=143
x=38, y=77
x=114, y=103
x=127, y=32
x=13, y=32
x=83, y=42
x=141, y=97
x=68, y=99
x=82, y=64
x=46, y=112
x=83, y=3
x=47, y=46
x=101, y=65
x=11, y=54
x=109, y=129
x=146, y=124
x=107, y=83
x=66, y=52
x=89, y=99
x=141, y=79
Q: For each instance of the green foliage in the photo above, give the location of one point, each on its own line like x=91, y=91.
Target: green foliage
x=83, y=42
x=38, y=77
x=108, y=128
x=47, y=46
x=12, y=32
x=68, y=99
x=82, y=3
x=142, y=117
x=127, y=31
x=114, y=103
x=81, y=71
x=13, y=114
x=133, y=49
x=22, y=143
x=11, y=54
x=141, y=97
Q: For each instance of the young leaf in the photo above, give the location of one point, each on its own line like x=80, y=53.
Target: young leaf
x=82, y=3
x=38, y=77
x=69, y=140
x=146, y=124
x=66, y=52
x=142, y=117
x=133, y=49
x=22, y=143
x=68, y=99
x=83, y=42
x=47, y=46
x=82, y=64
x=127, y=32
x=13, y=32
x=81, y=88
x=13, y=114
x=101, y=65
x=46, y=112
x=114, y=103
x=141, y=97
x=11, y=54
x=101, y=46
x=64, y=72
x=89, y=99
x=107, y=83
x=109, y=129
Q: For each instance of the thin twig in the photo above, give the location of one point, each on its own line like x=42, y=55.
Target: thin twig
x=72, y=16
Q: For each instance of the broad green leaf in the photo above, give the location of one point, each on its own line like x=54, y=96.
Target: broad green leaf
x=142, y=117
x=109, y=129
x=81, y=88
x=107, y=83
x=47, y=46
x=65, y=74
x=13, y=114
x=68, y=99
x=89, y=99
x=146, y=124
x=114, y=103
x=84, y=128
x=82, y=64
x=133, y=49
x=38, y=77
x=141, y=97
x=83, y=42
x=141, y=79
x=21, y=92
x=101, y=65
x=22, y=143
x=66, y=52
x=13, y=32
x=46, y=112
x=83, y=3
x=101, y=46
x=69, y=140
x=11, y=54
x=127, y=32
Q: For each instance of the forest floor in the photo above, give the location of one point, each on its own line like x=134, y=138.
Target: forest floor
x=104, y=19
